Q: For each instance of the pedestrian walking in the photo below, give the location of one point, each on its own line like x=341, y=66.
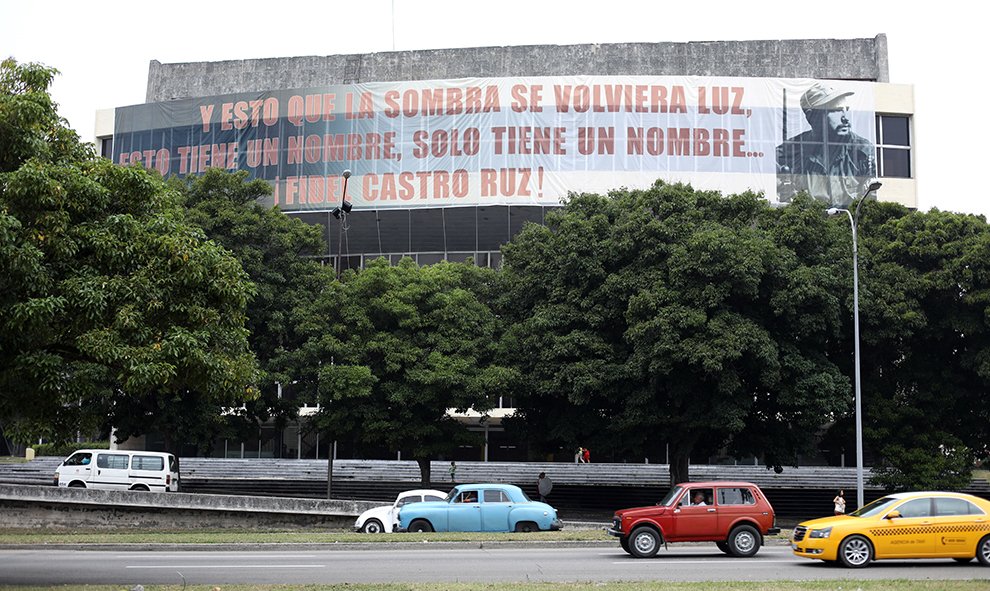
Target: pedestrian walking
x=543, y=486
x=453, y=472
x=840, y=503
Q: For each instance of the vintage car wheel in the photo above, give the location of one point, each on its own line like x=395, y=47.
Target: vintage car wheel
x=644, y=542
x=420, y=526
x=983, y=551
x=373, y=526
x=855, y=552
x=724, y=547
x=744, y=541
x=526, y=527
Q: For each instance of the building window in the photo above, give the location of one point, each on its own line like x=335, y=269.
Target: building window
x=106, y=147
x=894, y=146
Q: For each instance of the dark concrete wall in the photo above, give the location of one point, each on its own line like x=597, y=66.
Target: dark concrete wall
x=847, y=59
x=56, y=508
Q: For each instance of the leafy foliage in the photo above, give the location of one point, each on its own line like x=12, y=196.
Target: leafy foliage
x=391, y=349
x=671, y=316
x=276, y=252
x=117, y=312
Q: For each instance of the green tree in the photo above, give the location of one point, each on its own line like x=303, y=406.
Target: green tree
x=277, y=252
x=117, y=313
x=392, y=349
x=925, y=292
x=676, y=317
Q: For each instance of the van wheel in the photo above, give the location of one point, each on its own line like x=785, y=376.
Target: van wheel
x=420, y=526
x=744, y=541
x=373, y=526
x=644, y=542
x=76, y=484
x=856, y=552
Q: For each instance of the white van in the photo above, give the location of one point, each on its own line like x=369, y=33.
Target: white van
x=119, y=470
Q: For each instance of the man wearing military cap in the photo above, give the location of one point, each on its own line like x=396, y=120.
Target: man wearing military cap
x=829, y=161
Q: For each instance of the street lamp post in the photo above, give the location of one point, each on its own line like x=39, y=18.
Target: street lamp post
x=854, y=222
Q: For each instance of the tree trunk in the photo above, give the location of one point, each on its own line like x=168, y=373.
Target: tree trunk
x=424, y=471
x=679, y=468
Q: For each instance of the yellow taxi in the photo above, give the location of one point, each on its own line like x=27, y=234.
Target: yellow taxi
x=903, y=525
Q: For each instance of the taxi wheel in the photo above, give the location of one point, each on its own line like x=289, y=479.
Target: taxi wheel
x=373, y=526
x=644, y=542
x=855, y=552
x=744, y=541
x=420, y=525
x=983, y=551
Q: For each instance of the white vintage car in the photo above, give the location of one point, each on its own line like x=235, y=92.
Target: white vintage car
x=383, y=519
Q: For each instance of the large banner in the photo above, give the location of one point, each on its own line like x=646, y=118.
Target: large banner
x=517, y=141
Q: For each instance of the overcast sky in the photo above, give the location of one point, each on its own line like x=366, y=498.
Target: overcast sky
x=102, y=49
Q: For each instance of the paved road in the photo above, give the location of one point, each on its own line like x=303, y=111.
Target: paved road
x=440, y=564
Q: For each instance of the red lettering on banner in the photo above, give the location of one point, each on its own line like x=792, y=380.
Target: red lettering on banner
x=443, y=142
x=527, y=98
x=365, y=108
x=405, y=186
x=615, y=98
x=341, y=147
x=720, y=104
x=205, y=113
x=529, y=140
x=508, y=182
x=687, y=141
x=441, y=101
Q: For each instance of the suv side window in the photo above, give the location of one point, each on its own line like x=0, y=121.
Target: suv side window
x=736, y=496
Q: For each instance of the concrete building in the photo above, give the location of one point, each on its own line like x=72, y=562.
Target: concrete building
x=493, y=137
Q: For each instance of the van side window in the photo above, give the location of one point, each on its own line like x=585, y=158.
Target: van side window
x=112, y=461
x=736, y=496
x=148, y=463
x=80, y=459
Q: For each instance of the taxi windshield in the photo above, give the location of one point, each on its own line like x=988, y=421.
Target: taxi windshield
x=876, y=507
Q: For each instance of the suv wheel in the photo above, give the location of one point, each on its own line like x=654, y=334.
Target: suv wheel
x=624, y=542
x=744, y=541
x=724, y=547
x=855, y=552
x=644, y=542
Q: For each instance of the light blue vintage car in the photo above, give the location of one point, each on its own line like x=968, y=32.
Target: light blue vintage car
x=480, y=507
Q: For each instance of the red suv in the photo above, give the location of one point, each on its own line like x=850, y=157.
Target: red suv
x=734, y=515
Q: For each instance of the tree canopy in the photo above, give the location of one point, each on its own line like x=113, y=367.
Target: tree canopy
x=114, y=312
x=391, y=349
x=674, y=317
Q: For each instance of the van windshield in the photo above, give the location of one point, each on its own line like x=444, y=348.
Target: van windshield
x=78, y=459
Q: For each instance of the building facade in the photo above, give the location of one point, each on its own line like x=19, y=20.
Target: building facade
x=445, y=154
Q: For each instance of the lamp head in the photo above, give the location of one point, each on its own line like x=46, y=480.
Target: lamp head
x=832, y=211
x=345, y=205
x=874, y=186
x=335, y=212
x=347, y=173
